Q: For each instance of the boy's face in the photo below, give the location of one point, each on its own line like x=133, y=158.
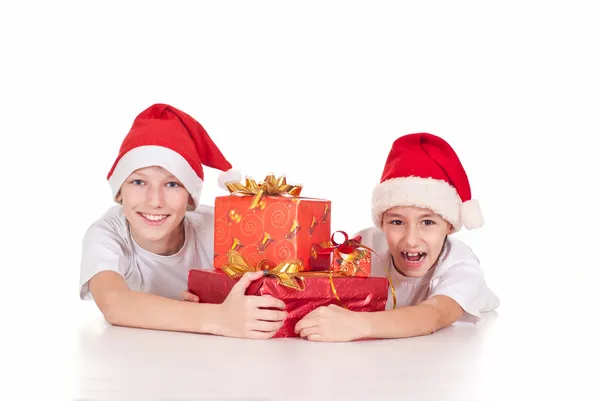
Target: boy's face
x=154, y=202
x=415, y=237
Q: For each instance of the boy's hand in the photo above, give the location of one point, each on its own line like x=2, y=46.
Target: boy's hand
x=332, y=323
x=245, y=316
x=188, y=296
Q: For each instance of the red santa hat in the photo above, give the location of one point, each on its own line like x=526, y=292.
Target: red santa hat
x=166, y=137
x=423, y=170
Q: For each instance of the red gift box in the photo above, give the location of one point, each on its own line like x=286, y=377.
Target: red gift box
x=357, y=263
x=357, y=294
x=350, y=257
x=270, y=223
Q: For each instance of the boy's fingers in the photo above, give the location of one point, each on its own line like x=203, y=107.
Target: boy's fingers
x=269, y=327
x=188, y=296
x=271, y=315
x=261, y=335
x=267, y=301
x=309, y=331
x=244, y=282
x=305, y=323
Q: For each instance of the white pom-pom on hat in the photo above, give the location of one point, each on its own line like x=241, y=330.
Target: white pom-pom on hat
x=229, y=176
x=470, y=214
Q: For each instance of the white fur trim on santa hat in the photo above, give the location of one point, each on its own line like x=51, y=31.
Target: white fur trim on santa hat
x=146, y=156
x=470, y=214
x=229, y=176
x=427, y=193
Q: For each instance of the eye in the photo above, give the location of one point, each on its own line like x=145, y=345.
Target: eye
x=172, y=184
x=396, y=222
x=137, y=182
x=428, y=222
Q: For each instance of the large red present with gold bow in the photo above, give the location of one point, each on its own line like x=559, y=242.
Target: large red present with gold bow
x=301, y=291
x=270, y=222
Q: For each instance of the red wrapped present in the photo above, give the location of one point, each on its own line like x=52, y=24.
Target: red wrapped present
x=269, y=222
x=301, y=292
x=350, y=256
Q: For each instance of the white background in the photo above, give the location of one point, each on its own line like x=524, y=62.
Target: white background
x=318, y=91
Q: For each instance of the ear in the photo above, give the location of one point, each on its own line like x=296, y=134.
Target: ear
x=119, y=197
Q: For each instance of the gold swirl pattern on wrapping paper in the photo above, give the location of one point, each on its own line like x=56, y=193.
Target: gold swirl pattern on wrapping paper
x=251, y=228
x=277, y=215
x=284, y=250
x=221, y=232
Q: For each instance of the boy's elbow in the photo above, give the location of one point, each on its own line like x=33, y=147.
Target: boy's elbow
x=110, y=306
x=443, y=312
x=112, y=317
x=108, y=290
x=436, y=320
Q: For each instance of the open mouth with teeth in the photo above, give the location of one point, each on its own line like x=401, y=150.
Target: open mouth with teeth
x=153, y=219
x=414, y=257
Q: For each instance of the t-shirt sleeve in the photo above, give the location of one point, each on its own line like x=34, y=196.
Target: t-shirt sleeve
x=102, y=249
x=464, y=282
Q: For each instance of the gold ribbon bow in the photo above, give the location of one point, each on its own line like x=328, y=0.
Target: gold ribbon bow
x=289, y=274
x=271, y=186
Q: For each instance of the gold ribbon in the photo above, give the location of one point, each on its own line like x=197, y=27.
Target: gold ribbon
x=289, y=274
x=392, y=288
x=286, y=272
x=351, y=262
x=271, y=186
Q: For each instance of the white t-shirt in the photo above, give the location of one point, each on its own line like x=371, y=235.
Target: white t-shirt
x=457, y=275
x=107, y=245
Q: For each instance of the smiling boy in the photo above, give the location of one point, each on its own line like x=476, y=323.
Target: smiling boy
x=136, y=257
x=423, y=197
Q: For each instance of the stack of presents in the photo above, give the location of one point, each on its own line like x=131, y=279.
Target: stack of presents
x=268, y=226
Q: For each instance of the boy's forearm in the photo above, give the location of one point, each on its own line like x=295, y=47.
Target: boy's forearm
x=143, y=310
x=410, y=321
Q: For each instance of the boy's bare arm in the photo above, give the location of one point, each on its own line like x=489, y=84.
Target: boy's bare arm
x=431, y=315
x=123, y=307
x=238, y=316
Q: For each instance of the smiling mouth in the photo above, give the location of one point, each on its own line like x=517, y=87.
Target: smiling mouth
x=413, y=257
x=154, y=217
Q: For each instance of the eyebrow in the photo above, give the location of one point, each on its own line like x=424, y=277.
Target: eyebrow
x=422, y=216
x=166, y=178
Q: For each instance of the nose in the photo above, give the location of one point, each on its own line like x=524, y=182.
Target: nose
x=413, y=236
x=155, y=196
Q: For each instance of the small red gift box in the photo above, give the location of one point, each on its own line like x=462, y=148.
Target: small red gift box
x=357, y=294
x=269, y=222
x=350, y=257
